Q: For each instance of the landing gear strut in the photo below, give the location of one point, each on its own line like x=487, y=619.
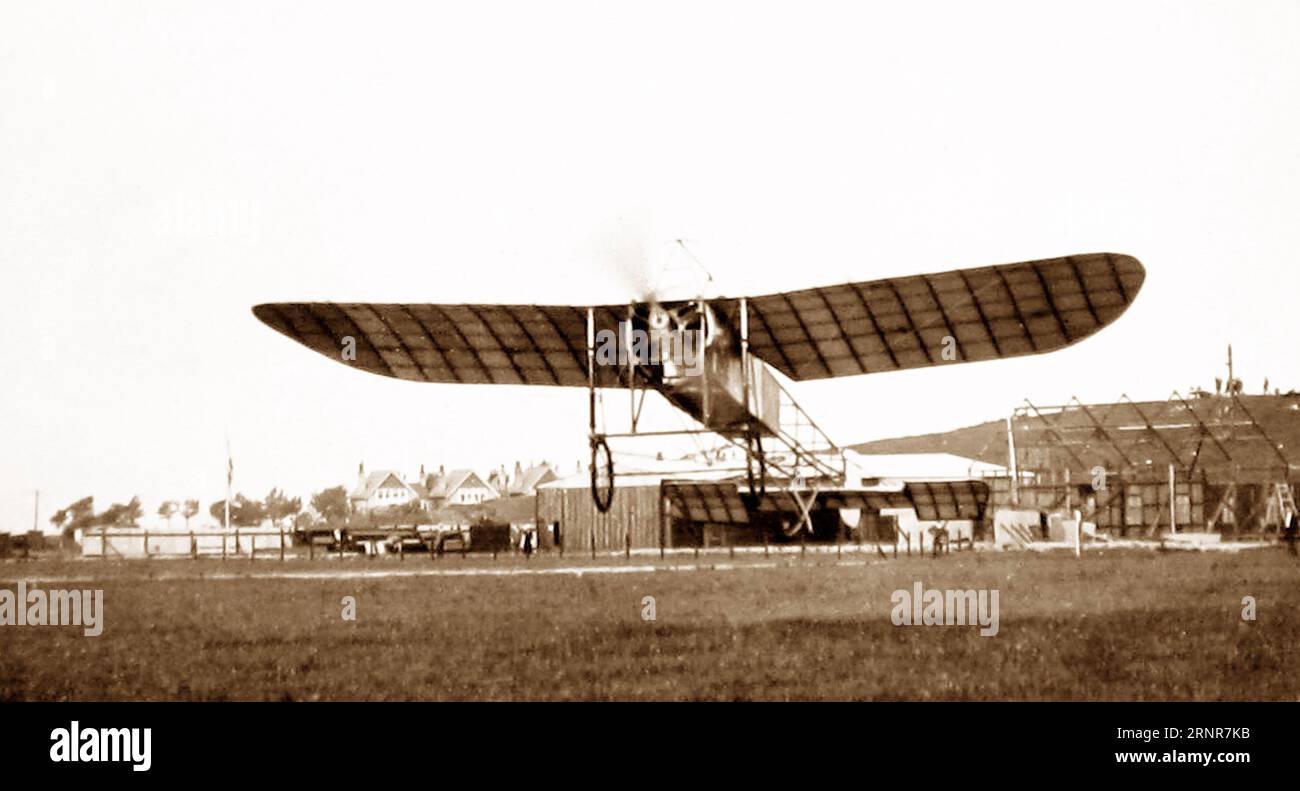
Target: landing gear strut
x=755, y=470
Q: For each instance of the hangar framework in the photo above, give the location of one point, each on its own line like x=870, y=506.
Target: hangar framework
x=1224, y=457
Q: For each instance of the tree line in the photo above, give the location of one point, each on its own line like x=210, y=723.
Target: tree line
x=329, y=506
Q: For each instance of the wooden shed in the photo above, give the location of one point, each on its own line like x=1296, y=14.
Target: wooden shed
x=567, y=516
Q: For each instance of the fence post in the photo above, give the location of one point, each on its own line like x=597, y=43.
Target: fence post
x=146, y=544
x=194, y=547
x=281, y=543
x=103, y=542
x=223, y=546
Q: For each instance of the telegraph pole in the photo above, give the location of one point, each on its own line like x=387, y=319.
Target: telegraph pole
x=1011, y=456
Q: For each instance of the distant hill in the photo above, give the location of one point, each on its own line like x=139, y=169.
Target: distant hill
x=985, y=441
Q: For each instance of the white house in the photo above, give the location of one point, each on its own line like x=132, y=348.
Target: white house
x=458, y=487
x=382, y=489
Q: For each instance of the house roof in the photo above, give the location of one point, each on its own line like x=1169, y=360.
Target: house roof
x=529, y=479
x=444, y=486
x=377, y=480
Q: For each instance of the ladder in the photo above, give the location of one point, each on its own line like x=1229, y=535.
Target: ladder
x=1285, y=502
x=1225, y=509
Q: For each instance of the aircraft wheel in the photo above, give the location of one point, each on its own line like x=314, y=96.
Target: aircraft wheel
x=601, y=457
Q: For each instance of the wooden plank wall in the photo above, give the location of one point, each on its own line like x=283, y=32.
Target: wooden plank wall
x=634, y=514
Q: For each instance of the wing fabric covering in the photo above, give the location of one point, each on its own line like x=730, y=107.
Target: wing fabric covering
x=471, y=344
x=855, y=328
x=707, y=502
x=900, y=323
x=933, y=501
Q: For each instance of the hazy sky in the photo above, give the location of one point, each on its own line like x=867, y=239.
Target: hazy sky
x=166, y=165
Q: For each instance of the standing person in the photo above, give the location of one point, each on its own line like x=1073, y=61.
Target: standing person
x=1291, y=533
x=528, y=544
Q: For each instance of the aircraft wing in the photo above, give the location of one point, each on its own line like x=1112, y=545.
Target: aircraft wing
x=473, y=344
x=898, y=323
x=708, y=501
x=932, y=500
x=855, y=328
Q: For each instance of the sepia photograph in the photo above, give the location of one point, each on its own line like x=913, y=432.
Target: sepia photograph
x=620, y=352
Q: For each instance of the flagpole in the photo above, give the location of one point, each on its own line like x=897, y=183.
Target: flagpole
x=230, y=474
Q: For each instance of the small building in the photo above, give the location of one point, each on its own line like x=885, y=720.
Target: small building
x=567, y=517
x=458, y=487
x=206, y=540
x=895, y=469
x=382, y=489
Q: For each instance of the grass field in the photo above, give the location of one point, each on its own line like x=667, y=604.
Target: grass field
x=1114, y=626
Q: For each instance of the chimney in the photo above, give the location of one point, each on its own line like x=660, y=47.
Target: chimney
x=421, y=473
x=361, y=474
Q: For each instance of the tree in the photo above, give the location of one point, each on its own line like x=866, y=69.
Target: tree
x=278, y=507
x=132, y=513
x=247, y=513
x=119, y=515
x=189, y=511
x=243, y=511
x=331, y=504
x=79, y=515
x=167, y=510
